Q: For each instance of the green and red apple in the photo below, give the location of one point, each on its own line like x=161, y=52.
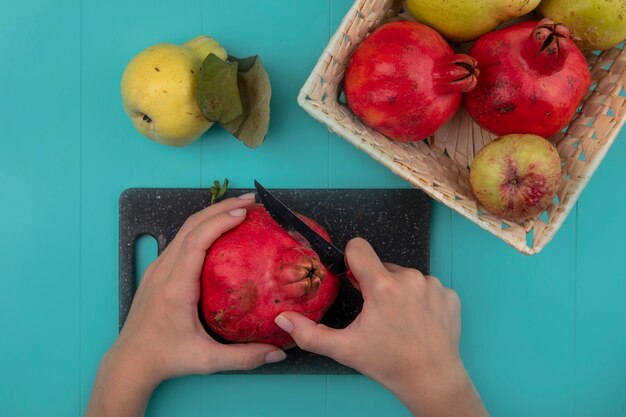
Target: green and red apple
x=516, y=176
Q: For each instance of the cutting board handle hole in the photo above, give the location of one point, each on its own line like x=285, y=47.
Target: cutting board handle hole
x=145, y=253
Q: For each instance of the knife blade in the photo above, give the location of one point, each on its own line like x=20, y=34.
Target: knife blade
x=330, y=255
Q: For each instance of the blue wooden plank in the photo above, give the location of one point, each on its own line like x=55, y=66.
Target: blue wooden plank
x=295, y=153
x=537, y=341
x=355, y=395
x=517, y=320
x=115, y=157
x=176, y=397
x=39, y=183
x=352, y=168
x=600, y=362
x=264, y=395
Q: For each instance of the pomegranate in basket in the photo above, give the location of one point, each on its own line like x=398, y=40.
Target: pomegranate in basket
x=532, y=79
x=405, y=81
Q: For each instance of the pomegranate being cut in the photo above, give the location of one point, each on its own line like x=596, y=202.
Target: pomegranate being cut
x=405, y=81
x=532, y=79
x=258, y=270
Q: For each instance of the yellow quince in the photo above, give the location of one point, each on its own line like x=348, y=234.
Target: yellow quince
x=159, y=90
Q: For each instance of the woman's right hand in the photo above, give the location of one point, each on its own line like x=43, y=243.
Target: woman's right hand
x=406, y=336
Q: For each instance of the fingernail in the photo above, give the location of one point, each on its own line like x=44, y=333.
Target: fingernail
x=282, y=322
x=275, y=356
x=237, y=212
x=247, y=196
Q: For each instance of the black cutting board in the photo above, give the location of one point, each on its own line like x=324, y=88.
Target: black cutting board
x=396, y=222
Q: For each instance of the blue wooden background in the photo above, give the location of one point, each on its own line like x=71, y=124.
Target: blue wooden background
x=542, y=335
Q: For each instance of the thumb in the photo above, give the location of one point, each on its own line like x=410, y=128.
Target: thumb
x=244, y=356
x=311, y=336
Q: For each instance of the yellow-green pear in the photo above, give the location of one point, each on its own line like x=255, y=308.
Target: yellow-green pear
x=600, y=24
x=464, y=20
x=159, y=90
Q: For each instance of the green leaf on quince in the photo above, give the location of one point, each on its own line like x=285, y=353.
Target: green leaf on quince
x=217, y=90
x=255, y=91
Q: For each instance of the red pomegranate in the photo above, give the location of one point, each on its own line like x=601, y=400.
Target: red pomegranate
x=532, y=79
x=256, y=271
x=405, y=81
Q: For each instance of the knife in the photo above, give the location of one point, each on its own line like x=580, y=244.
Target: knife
x=330, y=255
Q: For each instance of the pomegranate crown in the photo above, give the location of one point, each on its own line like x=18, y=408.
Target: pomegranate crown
x=547, y=47
x=456, y=75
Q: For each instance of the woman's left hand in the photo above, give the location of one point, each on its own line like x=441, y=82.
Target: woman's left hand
x=163, y=337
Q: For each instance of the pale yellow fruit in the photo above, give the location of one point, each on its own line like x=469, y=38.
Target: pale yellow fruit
x=600, y=24
x=464, y=20
x=159, y=91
